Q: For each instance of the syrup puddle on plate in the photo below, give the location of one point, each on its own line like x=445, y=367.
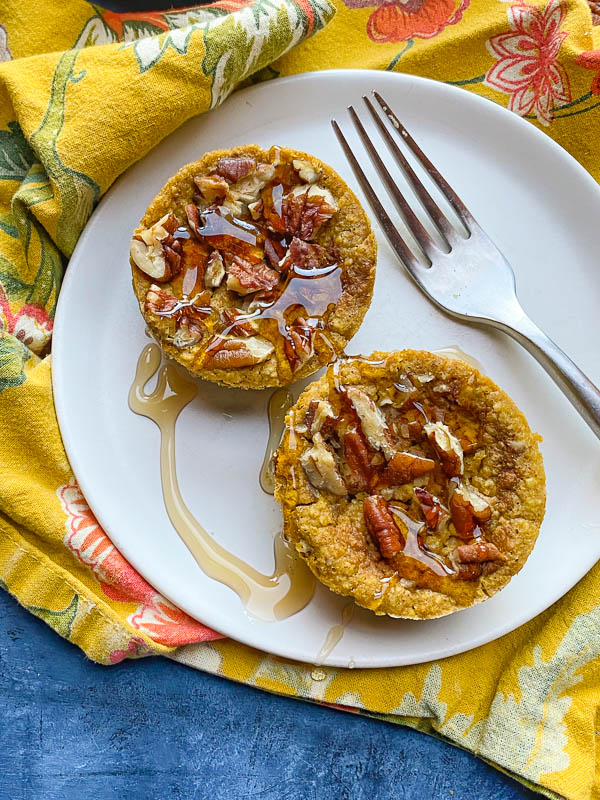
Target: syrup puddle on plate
x=279, y=404
x=335, y=634
x=454, y=351
x=268, y=597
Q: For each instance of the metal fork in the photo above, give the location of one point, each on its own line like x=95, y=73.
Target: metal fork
x=472, y=280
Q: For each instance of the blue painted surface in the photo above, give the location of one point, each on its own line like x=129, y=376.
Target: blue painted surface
x=72, y=730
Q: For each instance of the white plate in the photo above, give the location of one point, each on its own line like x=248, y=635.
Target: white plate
x=539, y=206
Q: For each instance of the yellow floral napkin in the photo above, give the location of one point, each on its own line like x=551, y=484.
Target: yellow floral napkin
x=84, y=93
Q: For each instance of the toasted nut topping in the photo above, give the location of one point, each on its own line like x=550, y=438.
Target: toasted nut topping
x=188, y=332
x=405, y=468
x=160, y=302
x=246, y=278
x=447, y=447
x=148, y=253
x=478, y=552
x=236, y=324
x=358, y=460
x=298, y=342
x=468, y=507
x=320, y=467
x=212, y=187
x=372, y=421
x=319, y=418
x=248, y=188
x=232, y=169
x=215, y=270
x=434, y=512
x=225, y=352
x=306, y=170
x=382, y=526
x=306, y=209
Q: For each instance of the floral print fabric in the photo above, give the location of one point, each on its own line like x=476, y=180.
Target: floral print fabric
x=533, y=708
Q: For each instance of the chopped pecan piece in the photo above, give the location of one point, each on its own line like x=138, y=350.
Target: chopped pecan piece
x=231, y=352
x=248, y=188
x=215, y=270
x=305, y=255
x=372, y=421
x=193, y=216
x=244, y=277
x=306, y=170
x=160, y=302
x=236, y=324
x=306, y=209
x=404, y=468
x=358, y=460
x=232, y=169
x=382, y=526
x=434, y=512
x=189, y=329
x=298, y=342
x=468, y=508
x=213, y=188
x=320, y=467
x=149, y=252
x=274, y=251
x=319, y=418
x=447, y=448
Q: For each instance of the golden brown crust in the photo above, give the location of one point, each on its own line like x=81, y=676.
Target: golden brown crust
x=349, y=234
x=505, y=467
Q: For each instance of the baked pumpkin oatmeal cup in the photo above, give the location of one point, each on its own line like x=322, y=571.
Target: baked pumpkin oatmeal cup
x=410, y=482
x=254, y=267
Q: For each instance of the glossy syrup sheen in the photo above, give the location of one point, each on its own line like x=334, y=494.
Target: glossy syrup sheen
x=279, y=403
x=269, y=597
x=335, y=634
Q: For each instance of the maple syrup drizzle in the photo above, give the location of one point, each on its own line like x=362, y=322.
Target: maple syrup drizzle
x=454, y=351
x=335, y=634
x=220, y=222
x=413, y=547
x=279, y=404
x=269, y=597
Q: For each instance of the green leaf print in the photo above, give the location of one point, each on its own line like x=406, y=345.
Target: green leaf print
x=78, y=192
x=13, y=357
x=16, y=156
x=7, y=225
x=61, y=621
x=11, y=283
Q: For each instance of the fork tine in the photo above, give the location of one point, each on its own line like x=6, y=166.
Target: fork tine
x=444, y=187
x=445, y=228
x=394, y=238
x=413, y=222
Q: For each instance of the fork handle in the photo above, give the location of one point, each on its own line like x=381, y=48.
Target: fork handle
x=577, y=387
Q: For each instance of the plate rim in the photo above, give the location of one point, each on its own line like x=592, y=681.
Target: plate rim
x=57, y=371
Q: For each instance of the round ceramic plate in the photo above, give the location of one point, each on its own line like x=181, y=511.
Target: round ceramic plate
x=535, y=201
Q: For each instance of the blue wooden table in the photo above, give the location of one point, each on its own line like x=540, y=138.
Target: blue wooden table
x=72, y=730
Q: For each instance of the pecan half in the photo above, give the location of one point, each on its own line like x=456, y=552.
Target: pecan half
x=382, y=526
x=434, y=512
x=244, y=277
x=358, y=460
x=467, y=508
x=404, y=468
x=306, y=209
x=231, y=352
x=232, y=169
x=321, y=469
x=447, y=448
x=477, y=559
